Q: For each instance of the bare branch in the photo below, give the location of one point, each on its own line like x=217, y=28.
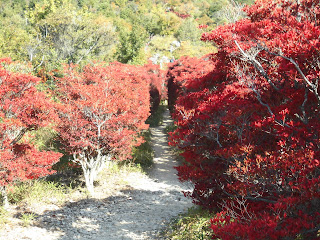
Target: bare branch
x=251, y=85
x=302, y=107
x=256, y=64
x=313, y=87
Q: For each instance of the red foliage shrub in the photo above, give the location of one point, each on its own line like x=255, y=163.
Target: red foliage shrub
x=250, y=128
x=180, y=72
x=103, y=110
x=157, y=85
x=22, y=109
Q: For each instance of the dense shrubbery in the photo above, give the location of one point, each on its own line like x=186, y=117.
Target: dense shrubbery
x=23, y=109
x=103, y=112
x=250, y=127
x=100, y=114
x=180, y=72
x=157, y=85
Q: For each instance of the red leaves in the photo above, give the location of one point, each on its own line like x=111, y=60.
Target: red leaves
x=103, y=108
x=27, y=164
x=22, y=108
x=250, y=126
x=102, y=112
x=157, y=84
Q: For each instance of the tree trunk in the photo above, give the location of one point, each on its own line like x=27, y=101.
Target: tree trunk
x=89, y=176
x=5, y=197
x=91, y=167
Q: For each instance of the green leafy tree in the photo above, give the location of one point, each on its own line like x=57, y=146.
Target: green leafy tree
x=189, y=30
x=168, y=23
x=131, y=44
x=69, y=35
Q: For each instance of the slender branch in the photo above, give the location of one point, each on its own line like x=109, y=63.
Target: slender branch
x=88, y=51
x=19, y=136
x=302, y=107
x=313, y=87
x=252, y=87
x=257, y=65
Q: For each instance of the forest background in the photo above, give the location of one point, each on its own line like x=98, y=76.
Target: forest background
x=49, y=33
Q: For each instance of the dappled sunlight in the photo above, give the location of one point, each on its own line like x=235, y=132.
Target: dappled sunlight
x=87, y=224
x=139, y=211
x=134, y=214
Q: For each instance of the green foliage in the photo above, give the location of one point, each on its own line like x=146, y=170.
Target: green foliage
x=228, y=11
x=188, y=30
x=4, y=216
x=161, y=45
x=75, y=36
x=14, y=36
x=143, y=154
x=156, y=118
x=49, y=33
x=194, y=225
x=150, y=22
x=44, y=139
x=131, y=43
x=27, y=219
x=168, y=23
x=38, y=191
x=192, y=49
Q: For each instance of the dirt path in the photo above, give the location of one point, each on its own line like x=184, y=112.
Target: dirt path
x=138, y=212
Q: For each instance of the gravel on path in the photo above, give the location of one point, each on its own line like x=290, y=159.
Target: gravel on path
x=140, y=211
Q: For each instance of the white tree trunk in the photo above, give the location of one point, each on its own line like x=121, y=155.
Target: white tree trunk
x=91, y=166
x=89, y=177
x=5, y=197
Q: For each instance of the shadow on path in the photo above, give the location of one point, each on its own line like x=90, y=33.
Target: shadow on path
x=139, y=212
x=135, y=214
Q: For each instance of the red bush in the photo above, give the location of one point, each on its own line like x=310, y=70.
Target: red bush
x=103, y=110
x=157, y=85
x=250, y=131
x=180, y=72
x=22, y=110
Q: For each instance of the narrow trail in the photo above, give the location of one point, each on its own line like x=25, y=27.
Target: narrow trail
x=138, y=212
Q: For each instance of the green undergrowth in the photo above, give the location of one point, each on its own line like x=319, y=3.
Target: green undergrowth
x=156, y=118
x=143, y=155
x=4, y=215
x=38, y=191
x=27, y=219
x=193, y=225
x=60, y=188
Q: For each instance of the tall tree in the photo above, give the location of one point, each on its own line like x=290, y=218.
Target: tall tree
x=131, y=44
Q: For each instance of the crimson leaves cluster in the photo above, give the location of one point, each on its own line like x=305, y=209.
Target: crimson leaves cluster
x=157, y=89
x=23, y=109
x=250, y=127
x=99, y=113
x=102, y=111
x=103, y=107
